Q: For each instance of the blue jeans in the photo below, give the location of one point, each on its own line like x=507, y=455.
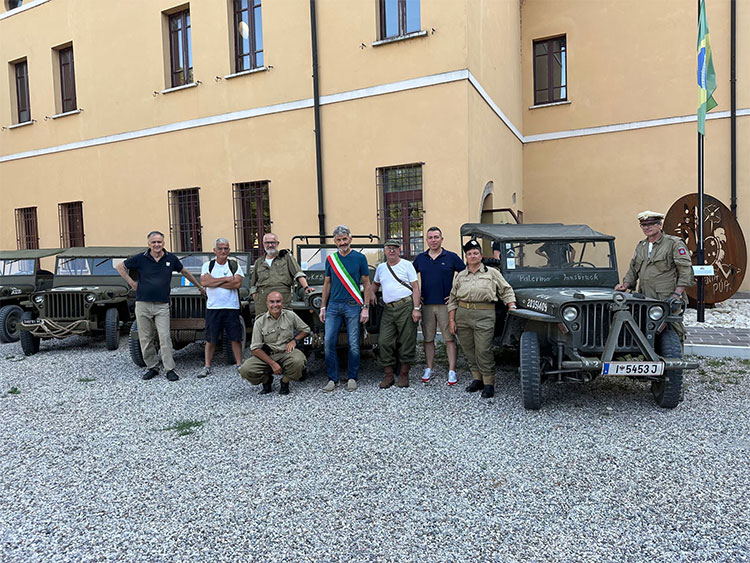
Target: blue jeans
x=336, y=313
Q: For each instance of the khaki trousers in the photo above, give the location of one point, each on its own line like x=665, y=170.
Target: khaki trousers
x=153, y=318
x=398, y=331
x=475, y=329
x=256, y=371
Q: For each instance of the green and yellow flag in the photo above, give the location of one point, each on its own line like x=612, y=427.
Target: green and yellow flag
x=706, y=74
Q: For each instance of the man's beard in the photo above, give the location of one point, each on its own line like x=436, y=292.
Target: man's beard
x=272, y=251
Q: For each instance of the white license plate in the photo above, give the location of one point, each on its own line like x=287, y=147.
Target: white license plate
x=633, y=368
x=307, y=340
x=31, y=322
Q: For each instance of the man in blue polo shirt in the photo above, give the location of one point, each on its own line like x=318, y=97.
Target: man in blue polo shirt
x=154, y=267
x=437, y=266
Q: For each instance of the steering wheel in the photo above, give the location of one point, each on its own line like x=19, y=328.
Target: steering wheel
x=582, y=264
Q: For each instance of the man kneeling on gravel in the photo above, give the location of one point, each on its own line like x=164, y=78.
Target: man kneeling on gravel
x=276, y=335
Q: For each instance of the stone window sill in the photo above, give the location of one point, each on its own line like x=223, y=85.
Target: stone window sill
x=411, y=35
x=563, y=103
x=246, y=72
x=178, y=88
x=66, y=114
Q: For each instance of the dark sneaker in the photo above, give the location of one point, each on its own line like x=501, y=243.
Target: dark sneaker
x=150, y=374
x=475, y=385
x=267, y=386
x=488, y=392
x=284, y=388
x=172, y=375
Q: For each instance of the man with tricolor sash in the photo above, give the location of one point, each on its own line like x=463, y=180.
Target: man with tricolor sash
x=343, y=302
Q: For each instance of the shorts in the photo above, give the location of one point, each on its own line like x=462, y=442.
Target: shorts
x=432, y=317
x=217, y=320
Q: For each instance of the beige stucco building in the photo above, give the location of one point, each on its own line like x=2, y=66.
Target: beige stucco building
x=198, y=118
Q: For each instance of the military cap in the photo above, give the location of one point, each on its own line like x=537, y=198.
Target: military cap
x=392, y=242
x=471, y=245
x=650, y=217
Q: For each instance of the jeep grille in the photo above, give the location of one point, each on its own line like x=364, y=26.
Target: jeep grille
x=65, y=305
x=187, y=307
x=596, y=319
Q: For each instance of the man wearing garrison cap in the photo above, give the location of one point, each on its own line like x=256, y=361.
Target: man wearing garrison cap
x=661, y=265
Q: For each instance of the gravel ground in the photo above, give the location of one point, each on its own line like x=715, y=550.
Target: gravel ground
x=89, y=470
x=732, y=313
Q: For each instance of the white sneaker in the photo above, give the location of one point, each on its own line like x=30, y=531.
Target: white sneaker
x=204, y=372
x=427, y=375
x=351, y=385
x=330, y=386
x=452, y=379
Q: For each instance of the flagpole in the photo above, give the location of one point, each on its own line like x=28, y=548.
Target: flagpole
x=700, y=312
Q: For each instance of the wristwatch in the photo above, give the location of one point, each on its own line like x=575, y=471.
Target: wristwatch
x=419, y=308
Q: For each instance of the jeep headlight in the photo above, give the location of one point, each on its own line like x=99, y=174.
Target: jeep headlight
x=655, y=313
x=90, y=297
x=317, y=301
x=570, y=313
x=39, y=299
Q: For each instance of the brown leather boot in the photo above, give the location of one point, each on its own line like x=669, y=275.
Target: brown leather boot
x=403, y=376
x=388, y=378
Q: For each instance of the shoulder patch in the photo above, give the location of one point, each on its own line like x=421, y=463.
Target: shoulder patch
x=682, y=251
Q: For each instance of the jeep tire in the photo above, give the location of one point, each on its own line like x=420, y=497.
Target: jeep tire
x=29, y=342
x=134, y=345
x=530, y=370
x=668, y=390
x=10, y=316
x=112, y=328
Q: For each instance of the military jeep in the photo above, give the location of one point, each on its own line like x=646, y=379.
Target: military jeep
x=87, y=296
x=570, y=324
x=187, y=307
x=20, y=275
x=311, y=252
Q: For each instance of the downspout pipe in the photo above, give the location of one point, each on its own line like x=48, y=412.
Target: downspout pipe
x=733, y=97
x=316, y=112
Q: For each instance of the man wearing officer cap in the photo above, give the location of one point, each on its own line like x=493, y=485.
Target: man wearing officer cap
x=661, y=265
x=401, y=315
x=471, y=310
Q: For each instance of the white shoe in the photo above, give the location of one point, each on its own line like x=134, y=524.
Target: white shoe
x=452, y=379
x=427, y=375
x=204, y=372
x=330, y=386
x=351, y=385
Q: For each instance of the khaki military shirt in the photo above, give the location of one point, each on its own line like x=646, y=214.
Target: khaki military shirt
x=668, y=267
x=487, y=285
x=279, y=276
x=276, y=333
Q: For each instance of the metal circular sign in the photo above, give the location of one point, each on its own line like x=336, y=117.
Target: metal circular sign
x=723, y=242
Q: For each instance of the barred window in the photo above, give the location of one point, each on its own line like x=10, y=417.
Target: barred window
x=27, y=230
x=550, y=71
x=71, y=224
x=248, y=35
x=252, y=216
x=401, y=213
x=185, y=220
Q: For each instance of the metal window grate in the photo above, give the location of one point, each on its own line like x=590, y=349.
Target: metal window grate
x=248, y=35
x=180, y=49
x=185, y=220
x=70, y=215
x=27, y=230
x=401, y=214
x=252, y=216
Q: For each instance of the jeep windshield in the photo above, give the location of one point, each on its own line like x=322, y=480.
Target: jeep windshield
x=87, y=266
x=314, y=257
x=556, y=254
x=24, y=267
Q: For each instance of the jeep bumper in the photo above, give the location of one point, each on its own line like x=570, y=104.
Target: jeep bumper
x=47, y=328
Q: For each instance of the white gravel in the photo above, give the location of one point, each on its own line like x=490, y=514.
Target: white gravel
x=429, y=473
x=732, y=313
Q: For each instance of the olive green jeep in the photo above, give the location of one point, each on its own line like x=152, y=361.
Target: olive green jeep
x=20, y=275
x=570, y=324
x=87, y=296
x=187, y=306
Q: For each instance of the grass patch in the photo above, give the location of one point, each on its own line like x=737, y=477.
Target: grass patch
x=715, y=363
x=14, y=391
x=745, y=362
x=86, y=379
x=185, y=427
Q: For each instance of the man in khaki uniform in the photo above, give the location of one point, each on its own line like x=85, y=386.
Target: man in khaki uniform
x=274, y=347
x=275, y=271
x=661, y=265
x=471, y=310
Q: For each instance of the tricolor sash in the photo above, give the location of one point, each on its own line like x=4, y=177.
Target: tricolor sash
x=344, y=277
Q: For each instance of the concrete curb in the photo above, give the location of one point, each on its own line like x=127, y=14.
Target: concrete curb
x=714, y=351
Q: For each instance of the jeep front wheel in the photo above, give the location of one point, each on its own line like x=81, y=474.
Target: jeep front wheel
x=112, y=328
x=668, y=390
x=530, y=369
x=29, y=342
x=10, y=315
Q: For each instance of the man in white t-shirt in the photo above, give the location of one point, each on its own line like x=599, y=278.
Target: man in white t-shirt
x=403, y=310
x=222, y=278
